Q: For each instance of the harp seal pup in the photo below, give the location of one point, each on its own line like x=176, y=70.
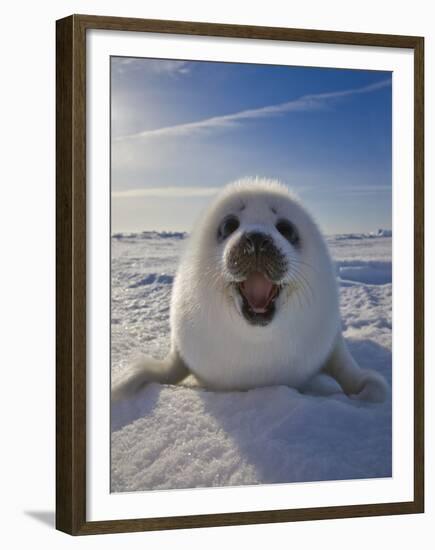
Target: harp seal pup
x=255, y=302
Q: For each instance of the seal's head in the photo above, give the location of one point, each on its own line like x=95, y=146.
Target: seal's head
x=266, y=248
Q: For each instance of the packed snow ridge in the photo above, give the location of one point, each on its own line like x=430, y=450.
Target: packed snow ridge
x=151, y=235
x=172, y=437
x=184, y=234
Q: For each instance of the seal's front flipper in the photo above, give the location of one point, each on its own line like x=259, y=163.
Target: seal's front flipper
x=170, y=370
x=360, y=383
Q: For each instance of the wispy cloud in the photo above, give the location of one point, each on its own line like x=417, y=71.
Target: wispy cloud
x=165, y=192
x=351, y=189
x=198, y=192
x=153, y=66
x=304, y=103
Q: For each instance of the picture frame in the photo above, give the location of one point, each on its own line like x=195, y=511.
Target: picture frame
x=72, y=223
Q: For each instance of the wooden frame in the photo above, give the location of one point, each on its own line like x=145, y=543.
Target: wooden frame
x=71, y=273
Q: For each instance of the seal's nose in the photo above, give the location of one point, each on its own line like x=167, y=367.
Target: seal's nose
x=257, y=242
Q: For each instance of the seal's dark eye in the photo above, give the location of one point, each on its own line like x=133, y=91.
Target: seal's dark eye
x=228, y=226
x=288, y=231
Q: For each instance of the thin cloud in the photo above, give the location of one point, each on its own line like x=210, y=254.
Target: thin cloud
x=153, y=66
x=346, y=189
x=305, y=103
x=199, y=192
x=369, y=190
x=165, y=192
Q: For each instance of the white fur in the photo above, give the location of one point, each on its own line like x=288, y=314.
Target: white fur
x=214, y=340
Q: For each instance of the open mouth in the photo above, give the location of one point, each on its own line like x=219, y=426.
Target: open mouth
x=258, y=296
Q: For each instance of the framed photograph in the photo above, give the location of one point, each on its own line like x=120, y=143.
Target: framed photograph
x=239, y=275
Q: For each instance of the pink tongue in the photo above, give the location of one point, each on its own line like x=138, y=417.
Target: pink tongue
x=258, y=290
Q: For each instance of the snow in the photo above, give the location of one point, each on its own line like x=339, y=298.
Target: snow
x=170, y=437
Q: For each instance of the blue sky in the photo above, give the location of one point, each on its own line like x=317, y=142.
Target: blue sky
x=181, y=130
